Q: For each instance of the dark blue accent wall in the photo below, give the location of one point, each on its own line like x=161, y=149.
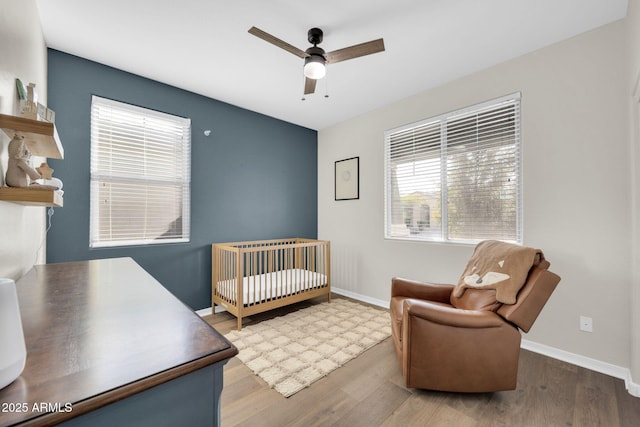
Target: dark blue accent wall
x=254, y=178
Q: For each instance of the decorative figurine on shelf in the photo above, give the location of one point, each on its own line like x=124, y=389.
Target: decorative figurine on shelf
x=45, y=171
x=19, y=172
x=48, y=181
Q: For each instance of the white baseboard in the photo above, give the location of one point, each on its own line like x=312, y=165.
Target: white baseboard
x=573, y=358
x=204, y=312
x=359, y=297
x=585, y=362
x=207, y=311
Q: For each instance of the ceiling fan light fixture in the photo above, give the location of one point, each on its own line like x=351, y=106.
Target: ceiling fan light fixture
x=315, y=58
x=314, y=67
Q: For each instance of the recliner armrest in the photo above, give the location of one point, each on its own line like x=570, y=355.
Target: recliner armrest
x=451, y=316
x=420, y=290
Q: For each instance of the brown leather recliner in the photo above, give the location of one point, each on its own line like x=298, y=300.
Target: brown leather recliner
x=465, y=344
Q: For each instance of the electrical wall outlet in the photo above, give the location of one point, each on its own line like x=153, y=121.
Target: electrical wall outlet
x=586, y=324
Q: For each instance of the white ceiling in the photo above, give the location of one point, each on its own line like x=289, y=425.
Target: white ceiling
x=203, y=45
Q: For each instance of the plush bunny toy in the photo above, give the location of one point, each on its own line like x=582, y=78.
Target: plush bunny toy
x=18, y=169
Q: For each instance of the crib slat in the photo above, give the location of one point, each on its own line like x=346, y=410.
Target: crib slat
x=258, y=273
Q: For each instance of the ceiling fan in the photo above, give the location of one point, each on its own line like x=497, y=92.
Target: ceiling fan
x=315, y=58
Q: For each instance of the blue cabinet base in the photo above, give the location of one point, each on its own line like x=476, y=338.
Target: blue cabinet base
x=190, y=400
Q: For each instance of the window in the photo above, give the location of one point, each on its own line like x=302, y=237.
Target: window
x=140, y=175
x=456, y=177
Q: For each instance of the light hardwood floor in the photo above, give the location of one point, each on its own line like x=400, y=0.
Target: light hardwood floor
x=369, y=391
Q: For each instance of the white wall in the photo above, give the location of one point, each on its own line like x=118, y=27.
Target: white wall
x=23, y=55
x=575, y=133
x=633, y=27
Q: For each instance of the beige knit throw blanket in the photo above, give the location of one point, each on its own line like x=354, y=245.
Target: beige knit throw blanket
x=500, y=266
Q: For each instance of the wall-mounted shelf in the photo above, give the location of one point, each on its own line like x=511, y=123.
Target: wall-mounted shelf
x=41, y=137
x=31, y=196
x=42, y=140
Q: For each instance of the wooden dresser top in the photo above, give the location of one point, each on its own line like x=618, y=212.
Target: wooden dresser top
x=100, y=331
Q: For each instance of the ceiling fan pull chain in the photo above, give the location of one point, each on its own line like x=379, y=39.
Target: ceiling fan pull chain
x=304, y=80
x=326, y=84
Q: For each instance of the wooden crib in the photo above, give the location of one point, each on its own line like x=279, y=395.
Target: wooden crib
x=252, y=277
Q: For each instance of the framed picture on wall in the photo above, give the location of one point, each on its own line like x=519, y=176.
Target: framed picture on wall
x=347, y=179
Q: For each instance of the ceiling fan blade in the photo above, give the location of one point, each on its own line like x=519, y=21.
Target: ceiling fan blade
x=276, y=41
x=355, y=51
x=309, y=85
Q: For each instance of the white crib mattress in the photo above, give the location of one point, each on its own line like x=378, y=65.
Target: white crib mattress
x=273, y=285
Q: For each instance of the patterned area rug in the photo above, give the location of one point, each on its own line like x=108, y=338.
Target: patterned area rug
x=293, y=351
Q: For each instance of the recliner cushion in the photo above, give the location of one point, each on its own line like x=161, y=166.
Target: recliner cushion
x=476, y=299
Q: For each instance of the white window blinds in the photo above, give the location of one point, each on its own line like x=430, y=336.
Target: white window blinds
x=140, y=175
x=456, y=177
